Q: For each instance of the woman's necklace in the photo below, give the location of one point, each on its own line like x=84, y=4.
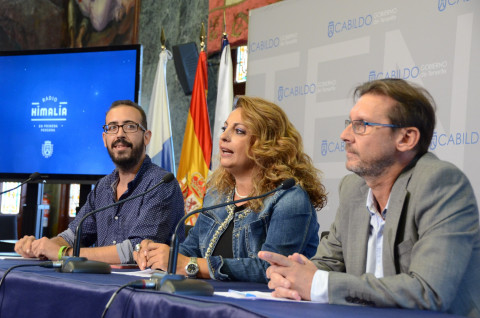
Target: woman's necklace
x=238, y=194
x=231, y=213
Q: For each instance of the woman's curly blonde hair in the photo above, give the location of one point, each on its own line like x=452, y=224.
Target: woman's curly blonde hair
x=276, y=148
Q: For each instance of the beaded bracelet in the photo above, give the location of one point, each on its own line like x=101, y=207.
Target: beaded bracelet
x=60, y=251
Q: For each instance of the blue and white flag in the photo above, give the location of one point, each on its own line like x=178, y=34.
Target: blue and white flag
x=224, y=98
x=160, y=148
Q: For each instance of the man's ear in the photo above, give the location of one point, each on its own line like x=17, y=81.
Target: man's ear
x=104, y=137
x=408, y=138
x=147, y=136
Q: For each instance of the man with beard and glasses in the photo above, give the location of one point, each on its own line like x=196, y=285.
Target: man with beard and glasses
x=110, y=235
x=406, y=233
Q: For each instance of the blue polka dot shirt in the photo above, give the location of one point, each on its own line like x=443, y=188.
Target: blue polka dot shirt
x=152, y=216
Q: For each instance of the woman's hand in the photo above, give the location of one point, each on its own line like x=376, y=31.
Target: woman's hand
x=155, y=255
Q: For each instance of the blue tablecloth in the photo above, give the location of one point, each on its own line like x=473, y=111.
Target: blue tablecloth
x=43, y=292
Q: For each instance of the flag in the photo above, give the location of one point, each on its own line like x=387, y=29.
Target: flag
x=197, y=144
x=160, y=148
x=224, y=97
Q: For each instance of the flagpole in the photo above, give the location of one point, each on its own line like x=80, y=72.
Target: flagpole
x=163, y=40
x=202, y=38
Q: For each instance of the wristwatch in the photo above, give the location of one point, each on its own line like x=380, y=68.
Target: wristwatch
x=192, y=268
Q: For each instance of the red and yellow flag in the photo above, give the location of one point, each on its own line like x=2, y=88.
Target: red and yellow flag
x=197, y=144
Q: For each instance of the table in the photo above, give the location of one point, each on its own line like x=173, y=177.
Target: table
x=43, y=292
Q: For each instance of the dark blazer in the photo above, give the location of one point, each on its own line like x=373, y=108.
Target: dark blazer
x=431, y=243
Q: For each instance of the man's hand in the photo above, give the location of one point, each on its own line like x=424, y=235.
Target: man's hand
x=45, y=248
x=24, y=246
x=141, y=256
x=291, y=276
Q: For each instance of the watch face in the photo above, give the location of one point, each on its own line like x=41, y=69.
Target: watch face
x=192, y=268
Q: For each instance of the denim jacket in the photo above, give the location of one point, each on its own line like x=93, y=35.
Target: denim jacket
x=286, y=224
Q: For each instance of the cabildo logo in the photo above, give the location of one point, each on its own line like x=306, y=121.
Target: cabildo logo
x=305, y=89
x=442, y=4
x=454, y=139
x=273, y=42
x=348, y=25
x=47, y=149
x=332, y=146
x=412, y=72
x=264, y=45
x=296, y=90
x=403, y=73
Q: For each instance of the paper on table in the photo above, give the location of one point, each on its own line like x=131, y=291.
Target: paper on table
x=17, y=257
x=254, y=295
x=145, y=273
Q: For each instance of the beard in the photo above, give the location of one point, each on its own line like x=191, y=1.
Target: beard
x=373, y=167
x=123, y=160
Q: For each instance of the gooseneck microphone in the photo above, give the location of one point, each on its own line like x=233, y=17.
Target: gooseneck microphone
x=178, y=284
x=34, y=176
x=77, y=264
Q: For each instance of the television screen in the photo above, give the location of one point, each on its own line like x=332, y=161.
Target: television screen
x=53, y=106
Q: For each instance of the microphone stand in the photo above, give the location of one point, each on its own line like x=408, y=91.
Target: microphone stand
x=34, y=176
x=179, y=284
x=77, y=264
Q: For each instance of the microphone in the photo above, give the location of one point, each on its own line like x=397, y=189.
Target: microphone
x=178, y=284
x=77, y=264
x=34, y=176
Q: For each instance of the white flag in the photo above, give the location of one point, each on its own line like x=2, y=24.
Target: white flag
x=160, y=148
x=224, y=99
